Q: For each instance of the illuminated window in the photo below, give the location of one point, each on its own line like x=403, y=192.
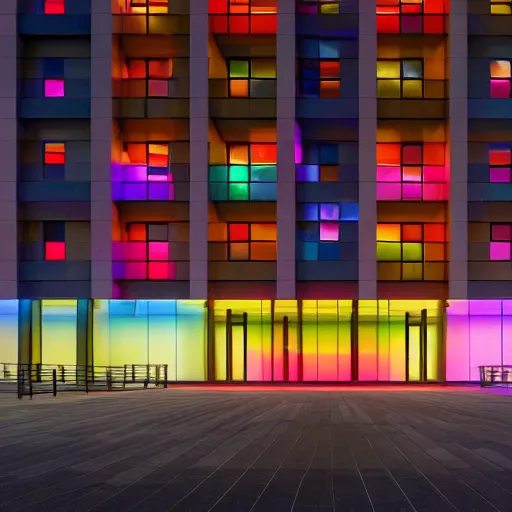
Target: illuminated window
x=500, y=79
x=250, y=174
x=247, y=77
x=501, y=7
x=320, y=163
x=243, y=16
x=411, y=172
x=54, y=88
x=320, y=229
x=411, y=16
x=144, y=6
x=400, y=78
x=500, y=162
x=156, y=73
x=54, y=6
x=501, y=238
x=144, y=254
x=319, y=6
x=320, y=68
x=252, y=242
x=54, y=234
x=54, y=160
x=411, y=252
x=146, y=173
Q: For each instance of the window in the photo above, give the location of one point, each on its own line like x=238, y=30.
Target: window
x=319, y=6
x=156, y=73
x=400, y=78
x=411, y=172
x=144, y=254
x=320, y=78
x=54, y=6
x=242, y=16
x=411, y=252
x=54, y=234
x=501, y=238
x=53, y=70
x=500, y=79
x=411, y=16
x=54, y=160
x=145, y=173
x=252, y=242
x=500, y=161
x=247, y=78
x=320, y=229
x=501, y=7
x=321, y=163
x=250, y=174
x=144, y=6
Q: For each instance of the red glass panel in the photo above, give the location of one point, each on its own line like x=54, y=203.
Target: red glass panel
x=388, y=24
x=217, y=6
x=238, y=24
x=55, y=251
x=137, y=232
x=412, y=233
x=433, y=25
x=218, y=24
x=434, y=233
x=263, y=24
x=238, y=232
x=501, y=232
x=54, y=7
x=159, y=270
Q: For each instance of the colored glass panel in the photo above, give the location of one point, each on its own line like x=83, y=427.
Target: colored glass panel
x=54, y=7
x=54, y=88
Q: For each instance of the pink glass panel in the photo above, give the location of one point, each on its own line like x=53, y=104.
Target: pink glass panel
x=499, y=175
x=411, y=191
x=329, y=232
x=434, y=174
x=389, y=191
x=390, y=174
x=135, y=270
x=500, y=88
x=507, y=335
x=158, y=270
x=501, y=232
x=435, y=192
x=54, y=88
x=158, y=88
x=484, y=342
x=499, y=251
x=158, y=251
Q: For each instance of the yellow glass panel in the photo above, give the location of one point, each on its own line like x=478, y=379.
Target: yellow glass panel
x=412, y=89
x=388, y=89
x=388, y=232
x=263, y=251
x=501, y=9
x=239, y=88
x=239, y=155
x=412, y=271
x=388, y=251
x=239, y=251
x=264, y=232
x=500, y=69
x=388, y=69
x=330, y=9
x=263, y=68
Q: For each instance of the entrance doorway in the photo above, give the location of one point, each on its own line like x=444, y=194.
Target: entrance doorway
x=416, y=344
x=236, y=347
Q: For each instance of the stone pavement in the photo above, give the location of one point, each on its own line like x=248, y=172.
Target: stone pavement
x=425, y=449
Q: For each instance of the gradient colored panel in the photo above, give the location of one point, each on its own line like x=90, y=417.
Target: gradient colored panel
x=9, y=331
x=58, y=338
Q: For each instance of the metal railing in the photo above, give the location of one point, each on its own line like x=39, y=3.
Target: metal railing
x=34, y=379
x=495, y=376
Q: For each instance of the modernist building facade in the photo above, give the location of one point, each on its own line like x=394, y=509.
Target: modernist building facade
x=264, y=190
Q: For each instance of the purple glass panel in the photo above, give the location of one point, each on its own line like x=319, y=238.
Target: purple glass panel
x=309, y=173
x=135, y=173
x=118, y=270
x=329, y=212
x=135, y=191
x=159, y=191
x=412, y=24
x=499, y=175
x=298, y=144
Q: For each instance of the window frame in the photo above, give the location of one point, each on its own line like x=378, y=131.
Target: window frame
x=248, y=242
x=249, y=61
x=403, y=79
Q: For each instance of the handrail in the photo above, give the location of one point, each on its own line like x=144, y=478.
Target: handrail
x=33, y=379
x=495, y=376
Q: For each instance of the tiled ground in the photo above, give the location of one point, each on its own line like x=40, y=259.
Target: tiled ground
x=367, y=449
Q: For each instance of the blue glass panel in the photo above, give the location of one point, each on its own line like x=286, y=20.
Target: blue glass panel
x=329, y=49
x=218, y=173
x=122, y=307
x=218, y=191
x=308, y=232
x=54, y=231
x=329, y=212
x=263, y=173
x=329, y=154
x=349, y=212
x=308, y=173
x=53, y=68
x=308, y=251
x=263, y=191
x=308, y=211
x=308, y=48
x=54, y=172
x=329, y=251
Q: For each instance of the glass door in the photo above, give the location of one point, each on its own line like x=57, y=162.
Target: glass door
x=236, y=347
x=416, y=347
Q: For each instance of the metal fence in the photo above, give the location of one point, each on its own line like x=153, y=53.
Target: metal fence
x=35, y=379
x=495, y=376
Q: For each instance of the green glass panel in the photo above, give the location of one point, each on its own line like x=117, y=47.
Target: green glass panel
x=218, y=191
x=412, y=251
x=239, y=69
x=266, y=173
x=238, y=192
x=218, y=173
x=388, y=251
x=239, y=173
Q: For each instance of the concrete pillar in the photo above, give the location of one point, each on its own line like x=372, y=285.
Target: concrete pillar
x=458, y=150
x=8, y=150
x=367, y=150
x=30, y=332
x=286, y=206
x=199, y=114
x=101, y=143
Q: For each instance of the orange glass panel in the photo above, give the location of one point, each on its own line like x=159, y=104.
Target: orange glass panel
x=239, y=155
x=388, y=154
x=434, y=153
x=54, y=153
x=434, y=252
x=160, y=68
x=500, y=69
x=137, y=153
x=262, y=154
x=329, y=89
x=137, y=232
x=412, y=233
x=263, y=251
x=264, y=232
x=239, y=251
x=239, y=88
x=137, y=69
x=158, y=155
x=434, y=233
x=388, y=232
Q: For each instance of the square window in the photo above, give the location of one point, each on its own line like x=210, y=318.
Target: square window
x=158, y=232
x=55, y=251
x=412, y=232
x=329, y=69
x=499, y=251
x=329, y=212
x=239, y=69
x=137, y=232
x=329, y=173
x=158, y=88
x=159, y=271
x=158, y=251
x=329, y=232
x=54, y=172
x=501, y=232
x=238, y=232
x=412, y=154
x=239, y=251
x=501, y=156
x=499, y=175
x=500, y=69
x=53, y=68
x=412, y=69
x=500, y=89
x=54, y=88
x=239, y=155
x=160, y=69
x=239, y=88
x=54, y=6
x=54, y=153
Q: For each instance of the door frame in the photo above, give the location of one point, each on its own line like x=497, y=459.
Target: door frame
x=230, y=323
x=423, y=348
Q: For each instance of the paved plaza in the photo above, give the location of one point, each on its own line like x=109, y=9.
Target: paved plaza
x=428, y=449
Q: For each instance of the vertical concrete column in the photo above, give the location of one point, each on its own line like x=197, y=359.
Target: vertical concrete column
x=285, y=288
x=458, y=150
x=101, y=143
x=367, y=149
x=8, y=150
x=199, y=115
